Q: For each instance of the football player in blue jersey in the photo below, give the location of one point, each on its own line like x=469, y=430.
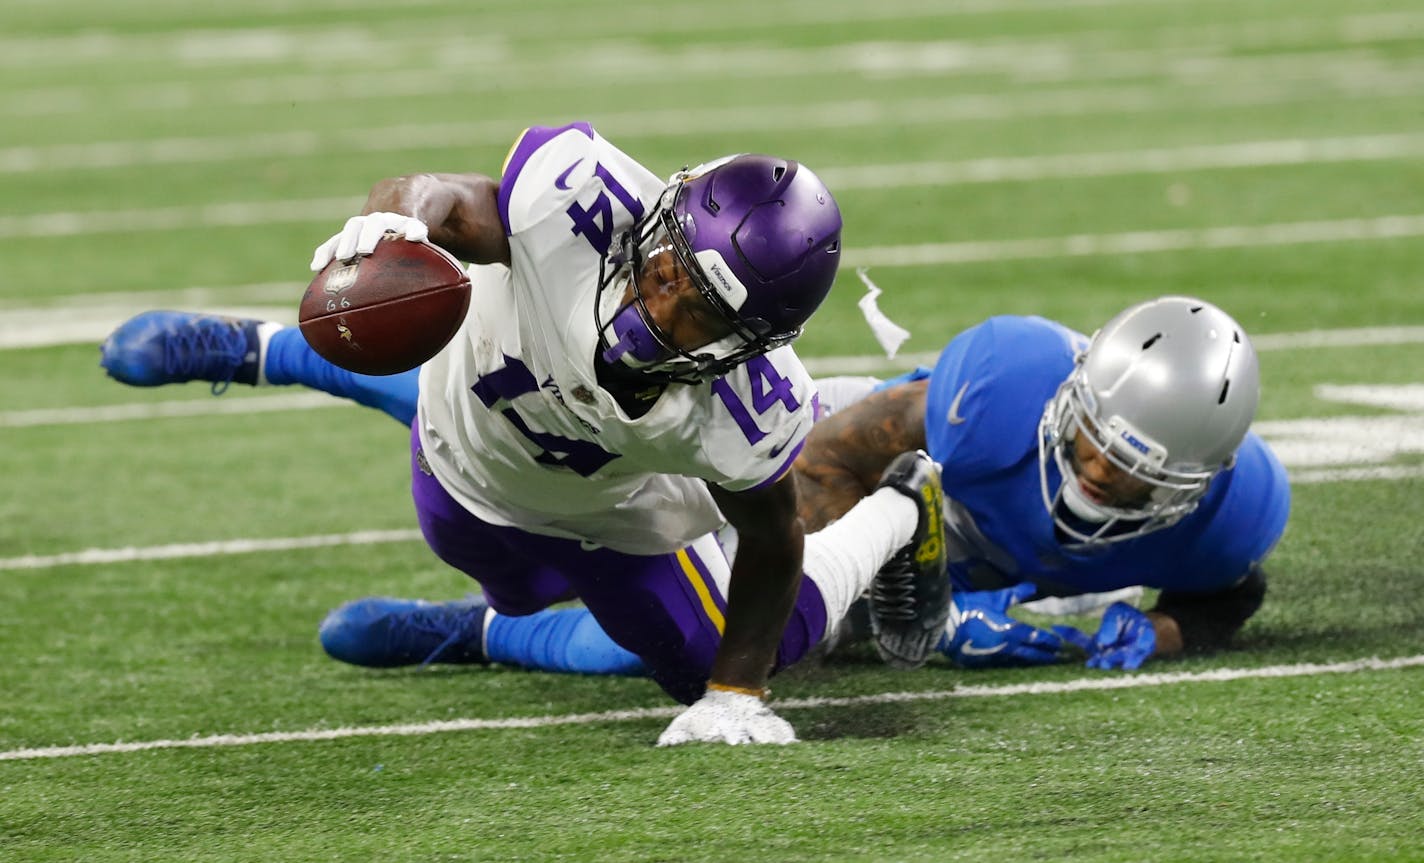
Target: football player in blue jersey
x=1070, y=467
x=623, y=383
x=1075, y=466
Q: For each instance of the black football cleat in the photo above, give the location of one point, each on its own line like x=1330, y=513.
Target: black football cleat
x=910, y=596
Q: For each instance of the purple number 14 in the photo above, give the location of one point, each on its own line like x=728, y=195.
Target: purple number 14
x=768, y=388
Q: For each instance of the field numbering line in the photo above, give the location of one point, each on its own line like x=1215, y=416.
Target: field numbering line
x=1086, y=684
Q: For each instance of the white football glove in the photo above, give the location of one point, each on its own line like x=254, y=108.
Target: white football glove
x=362, y=233
x=727, y=717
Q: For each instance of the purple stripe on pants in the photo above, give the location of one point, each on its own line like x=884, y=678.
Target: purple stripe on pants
x=644, y=602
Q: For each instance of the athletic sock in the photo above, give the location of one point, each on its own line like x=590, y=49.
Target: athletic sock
x=288, y=359
x=565, y=640
x=265, y=331
x=842, y=558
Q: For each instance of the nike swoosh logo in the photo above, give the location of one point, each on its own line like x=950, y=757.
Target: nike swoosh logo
x=971, y=650
x=798, y=435
x=559, y=181
x=954, y=417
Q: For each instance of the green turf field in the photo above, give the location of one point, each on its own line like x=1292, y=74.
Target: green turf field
x=162, y=694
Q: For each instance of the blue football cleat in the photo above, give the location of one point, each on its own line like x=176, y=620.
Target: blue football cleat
x=384, y=632
x=157, y=348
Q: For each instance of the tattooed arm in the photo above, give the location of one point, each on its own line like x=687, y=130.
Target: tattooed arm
x=847, y=452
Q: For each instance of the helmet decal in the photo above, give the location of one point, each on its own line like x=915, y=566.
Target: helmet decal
x=759, y=240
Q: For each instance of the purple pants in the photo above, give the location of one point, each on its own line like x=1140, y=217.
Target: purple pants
x=667, y=608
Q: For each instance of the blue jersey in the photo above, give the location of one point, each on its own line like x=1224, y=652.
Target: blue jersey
x=986, y=397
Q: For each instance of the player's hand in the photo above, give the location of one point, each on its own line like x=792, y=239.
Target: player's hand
x=727, y=717
x=981, y=634
x=362, y=233
x=1125, y=639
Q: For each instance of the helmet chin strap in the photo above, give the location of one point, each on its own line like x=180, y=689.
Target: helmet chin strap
x=1080, y=506
x=631, y=341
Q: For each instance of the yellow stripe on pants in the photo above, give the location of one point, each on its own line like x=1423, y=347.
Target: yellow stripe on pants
x=694, y=577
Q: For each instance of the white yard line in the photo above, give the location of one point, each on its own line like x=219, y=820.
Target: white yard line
x=1163, y=160
x=793, y=117
x=1116, y=682
x=334, y=210
x=462, y=64
x=38, y=327
x=1313, y=476
x=1139, y=242
x=149, y=219
x=1341, y=338
x=1265, y=342
x=127, y=554
x=289, y=401
x=436, y=37
x=205, y=549
x=179, y=298
x=818, y=366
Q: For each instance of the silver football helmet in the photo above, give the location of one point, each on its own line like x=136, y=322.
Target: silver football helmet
x=1166, y=390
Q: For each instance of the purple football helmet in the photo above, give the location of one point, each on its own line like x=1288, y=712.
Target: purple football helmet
x=759, y=239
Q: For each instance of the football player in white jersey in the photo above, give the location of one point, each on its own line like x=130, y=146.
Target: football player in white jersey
x=622, y=383
x=1071, y=467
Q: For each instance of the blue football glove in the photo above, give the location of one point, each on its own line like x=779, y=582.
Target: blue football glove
x=981, y=634
x=1125, y=639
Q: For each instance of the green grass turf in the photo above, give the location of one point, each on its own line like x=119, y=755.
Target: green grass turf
x=137, y=109
x=1290, y=769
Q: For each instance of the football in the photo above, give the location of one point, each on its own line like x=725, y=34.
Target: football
x=386, y=312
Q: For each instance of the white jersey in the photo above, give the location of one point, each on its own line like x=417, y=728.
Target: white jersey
x=511, y=417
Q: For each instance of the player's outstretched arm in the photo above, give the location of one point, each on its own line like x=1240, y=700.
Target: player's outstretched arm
x=458, y=212
x=462, y=211
x=847, y=452
x=1180, y=621
x=765, y=578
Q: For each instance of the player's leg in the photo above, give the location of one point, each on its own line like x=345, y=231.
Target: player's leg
x=386, y=632
x=670, y=609
x=667, y=609
x=503, y=560
x=509, y=624
x=840, y=563
x=163, y=347
x=290, y=360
